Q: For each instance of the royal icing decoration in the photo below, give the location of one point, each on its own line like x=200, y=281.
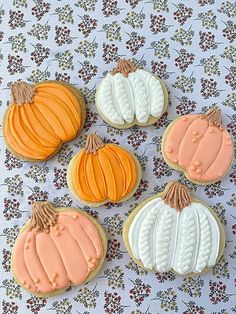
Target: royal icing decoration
x=200, y=146
x=103, y=172
x=57, y=249
x=175, y=232
x=41, y=118
x=129, y=95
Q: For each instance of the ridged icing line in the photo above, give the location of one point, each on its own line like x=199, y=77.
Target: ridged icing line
x=122, y=97
x=163, y=237
x=214, y=233
x=156, y=94
x=134, y=229
x=106, y=101
x=145, y=249
x=187, y=243
x=140, y=97
x=205, y=243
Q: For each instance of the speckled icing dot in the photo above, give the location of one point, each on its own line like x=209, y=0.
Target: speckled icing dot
x=192, y=168
x=26, y=247
x=169, y=150
x=210, y=130
x=36, y=280
x=196, y=163
x=28, y=240
x=75, y=216
x=175, y=160
x=185, y=119
x=28, y=286
x=199, y=170
x=220, y=174
x=62, y=228
x=57, y=233
x=194, y=140
x=195, y=132
x=228, y=143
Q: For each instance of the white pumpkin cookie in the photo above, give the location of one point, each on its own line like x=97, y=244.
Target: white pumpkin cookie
x=129, y=96
x=174, y=231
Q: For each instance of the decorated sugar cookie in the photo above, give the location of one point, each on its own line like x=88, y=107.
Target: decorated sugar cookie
x=174, y=231
x=58, y=247
x=129, y=96
x=198, y=145
x=41, y=118
x=102, y=173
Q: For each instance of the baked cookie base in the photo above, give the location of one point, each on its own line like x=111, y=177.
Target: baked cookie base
x=151, y=119
x=177, y=167
x=97, y=204
x=91, y=275
x=77, y=93
x=129, y=220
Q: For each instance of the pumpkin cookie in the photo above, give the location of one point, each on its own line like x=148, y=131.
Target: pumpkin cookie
x=174, y=231
x=129, y=96
x=102, y=173
x=41, y=118
x=57, y=247
x=198, y=145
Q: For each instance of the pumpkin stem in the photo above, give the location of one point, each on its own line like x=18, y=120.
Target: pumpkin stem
x=213, y=115
x=93, y=143
x=21, y=93
x=43, y=217
x=176, y=195
x=124, y=67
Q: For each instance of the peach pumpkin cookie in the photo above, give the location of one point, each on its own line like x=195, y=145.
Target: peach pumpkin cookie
x=102, y=173
x=41, y=118
x=57, y=247
x=198, y=145
x=174, y=231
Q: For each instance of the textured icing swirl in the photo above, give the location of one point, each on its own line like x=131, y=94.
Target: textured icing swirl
x=186, y=241
x=37, y=128
x=138, y=95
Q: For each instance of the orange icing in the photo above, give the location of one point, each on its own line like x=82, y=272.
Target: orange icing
x=200, y=146
x=37, y=128
x=63, y=254
x=104, y=172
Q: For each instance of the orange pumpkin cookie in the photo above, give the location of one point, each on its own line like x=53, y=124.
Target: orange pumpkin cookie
x=198, y=145
x=41, y=118
x=57, y=247
x=102, y=173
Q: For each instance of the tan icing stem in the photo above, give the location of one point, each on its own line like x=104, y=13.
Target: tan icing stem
x=93, y=143
x=177, y=196
x=124, y=67
x=22, y=93
x=43, y=217
x=213, y=116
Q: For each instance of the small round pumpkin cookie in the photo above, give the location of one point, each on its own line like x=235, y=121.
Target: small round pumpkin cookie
x=41, y=118
x=57, y=248
x=102, y=173
x=199, y=146
x=129, y=96
x=174, y=231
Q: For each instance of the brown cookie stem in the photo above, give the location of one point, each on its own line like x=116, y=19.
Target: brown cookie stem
x=43, y=217
x=213, y=116
x=21, y=93
x=94, y=142
x=177, y=195
x=124, y=67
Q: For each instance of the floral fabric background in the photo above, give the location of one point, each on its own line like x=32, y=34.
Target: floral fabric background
x=188, y=44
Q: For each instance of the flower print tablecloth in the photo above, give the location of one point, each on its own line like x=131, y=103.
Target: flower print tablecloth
x=188, y=44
